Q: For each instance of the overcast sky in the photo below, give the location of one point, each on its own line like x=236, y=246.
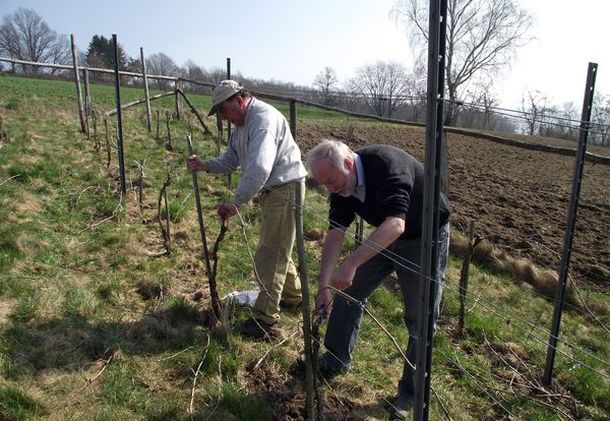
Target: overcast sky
x=292, y=41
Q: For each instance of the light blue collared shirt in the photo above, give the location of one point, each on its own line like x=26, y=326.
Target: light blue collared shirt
x=359, y=190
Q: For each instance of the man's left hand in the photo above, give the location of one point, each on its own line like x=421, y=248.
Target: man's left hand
x=343, y=276
x=226, y=210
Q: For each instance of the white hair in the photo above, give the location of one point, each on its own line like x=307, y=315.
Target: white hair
x=335, y=150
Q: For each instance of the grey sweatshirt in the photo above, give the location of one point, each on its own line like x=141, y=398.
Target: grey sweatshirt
x=264, y=149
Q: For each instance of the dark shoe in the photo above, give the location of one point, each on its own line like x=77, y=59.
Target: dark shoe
x=260, y=331
x=325, y=370
x=292, y=308
x=400, y=406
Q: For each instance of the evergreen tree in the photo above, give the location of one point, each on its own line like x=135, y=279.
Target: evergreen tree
x=101, y=53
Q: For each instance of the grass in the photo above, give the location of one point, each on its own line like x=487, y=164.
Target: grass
x=78, y=286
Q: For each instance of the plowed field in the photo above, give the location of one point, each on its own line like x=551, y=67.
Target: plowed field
x=517, y=197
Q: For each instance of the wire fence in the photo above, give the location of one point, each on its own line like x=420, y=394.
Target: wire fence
x=350, y=99
x=526, y=327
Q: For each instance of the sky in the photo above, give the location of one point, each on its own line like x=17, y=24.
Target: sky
x=292, y=41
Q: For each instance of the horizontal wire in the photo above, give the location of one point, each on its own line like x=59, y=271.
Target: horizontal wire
x=480, y=387
x=397, y=259
x=414, y=268
x=503, y=314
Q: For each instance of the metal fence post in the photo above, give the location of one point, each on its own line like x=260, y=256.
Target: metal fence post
x=119, y=116
x=571, y=222
x=431, y=200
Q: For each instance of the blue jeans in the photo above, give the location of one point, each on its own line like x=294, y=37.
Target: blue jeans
x=344, y=322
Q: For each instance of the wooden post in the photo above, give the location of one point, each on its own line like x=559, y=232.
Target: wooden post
x=107, y=143
x=158, y=122
x=472, y=243
x=169, y=237
x=219, y=137
x=88, y=104
x=96, y=139
x=194, y=110
x=168, y=145
x=178, y=100
x=141, y=186
x=305, y=306
x=204, y=242
x=146, y=93
x=79, y=94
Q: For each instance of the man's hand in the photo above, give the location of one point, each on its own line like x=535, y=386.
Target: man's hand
x=193, y=163
x=344, y=275
x=226, y=210
x=323, y=305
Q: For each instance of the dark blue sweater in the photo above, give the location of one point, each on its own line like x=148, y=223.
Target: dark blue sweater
x=394, y=183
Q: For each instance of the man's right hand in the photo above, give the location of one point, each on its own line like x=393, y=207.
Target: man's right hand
x=193, y=163
x=323, y=302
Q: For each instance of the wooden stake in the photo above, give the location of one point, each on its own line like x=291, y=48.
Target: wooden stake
x=141, y=186
x=79, y=95
x=204, y=242
x=472, y=243
x=107, y=143
x=178, y=100
x=96, y=139
x=146, y=94
x=158, y=122
x=168, y=145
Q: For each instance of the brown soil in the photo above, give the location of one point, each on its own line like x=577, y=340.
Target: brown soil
x=285, y=391
x=518, y=198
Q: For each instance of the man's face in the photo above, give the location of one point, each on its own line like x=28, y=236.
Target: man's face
x=341, y=181
x=232, y=110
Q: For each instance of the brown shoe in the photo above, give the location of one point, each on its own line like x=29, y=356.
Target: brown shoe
x=260, y=331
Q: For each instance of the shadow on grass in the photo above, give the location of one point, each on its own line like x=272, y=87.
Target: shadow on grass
x=71, y=342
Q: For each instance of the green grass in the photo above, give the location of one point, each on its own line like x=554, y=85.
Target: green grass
x=16, y=404
x=78, y=284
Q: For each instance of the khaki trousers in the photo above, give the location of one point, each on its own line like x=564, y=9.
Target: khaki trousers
x=273, y=258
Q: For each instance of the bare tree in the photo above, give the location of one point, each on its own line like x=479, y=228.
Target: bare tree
x=194, y=72
x=162, y=64
x=25, y=36
x=326, y=81
x=601, y=121
x=477, y=111
x=217, y=74
x=482, y=37
x=534, y=105
x=561, y=122
x=382, y=85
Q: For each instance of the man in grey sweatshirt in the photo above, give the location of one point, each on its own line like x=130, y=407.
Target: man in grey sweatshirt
x=270, y=160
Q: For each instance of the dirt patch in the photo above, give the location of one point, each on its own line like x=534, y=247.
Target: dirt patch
x=518, y=198
x=285, y=392
x=28, y=204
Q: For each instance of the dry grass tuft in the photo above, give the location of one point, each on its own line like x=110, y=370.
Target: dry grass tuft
x=523, y=270
x=6, y=307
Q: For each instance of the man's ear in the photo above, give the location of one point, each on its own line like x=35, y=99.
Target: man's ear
x=348, y=163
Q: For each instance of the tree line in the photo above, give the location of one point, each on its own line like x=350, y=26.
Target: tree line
x=483, y=36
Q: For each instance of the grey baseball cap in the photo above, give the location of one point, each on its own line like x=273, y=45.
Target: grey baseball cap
x=223, y=91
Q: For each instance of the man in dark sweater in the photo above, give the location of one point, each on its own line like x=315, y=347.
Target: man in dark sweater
x=384, y=185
